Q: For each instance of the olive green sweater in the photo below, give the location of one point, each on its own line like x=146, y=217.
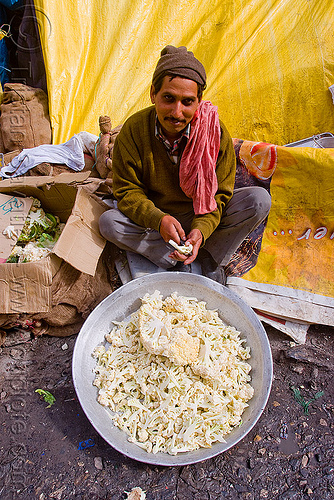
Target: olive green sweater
x=146, y=181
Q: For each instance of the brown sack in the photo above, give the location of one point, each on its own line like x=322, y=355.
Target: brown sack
x=2, y=147
x=24, y=117
x=75, y=295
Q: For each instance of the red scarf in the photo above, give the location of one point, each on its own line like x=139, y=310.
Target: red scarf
x=198, y=178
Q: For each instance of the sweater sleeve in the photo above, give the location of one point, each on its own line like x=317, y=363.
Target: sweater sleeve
x=225, y=171
x=128, y=188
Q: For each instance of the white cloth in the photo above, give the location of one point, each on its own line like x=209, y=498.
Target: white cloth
x=89, y=141
x=71, y=153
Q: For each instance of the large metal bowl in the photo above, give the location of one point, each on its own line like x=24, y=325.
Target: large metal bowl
x=124, y=301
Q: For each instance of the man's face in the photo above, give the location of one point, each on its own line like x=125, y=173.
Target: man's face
x=175, y=104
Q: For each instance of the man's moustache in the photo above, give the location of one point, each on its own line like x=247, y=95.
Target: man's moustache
x=170, y=118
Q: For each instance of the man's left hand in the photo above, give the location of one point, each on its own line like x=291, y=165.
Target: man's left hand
x=195, y=239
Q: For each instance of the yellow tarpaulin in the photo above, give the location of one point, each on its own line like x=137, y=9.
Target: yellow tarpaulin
x=269, y=62
x=297, y=248
x=294, y=270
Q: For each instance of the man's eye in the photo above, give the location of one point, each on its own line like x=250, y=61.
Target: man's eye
x=168, y=98
x=187, y=102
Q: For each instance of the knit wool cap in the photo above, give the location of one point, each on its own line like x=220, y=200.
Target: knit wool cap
x=180, y=62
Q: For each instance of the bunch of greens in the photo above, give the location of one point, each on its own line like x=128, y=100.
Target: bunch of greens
x=41, y=230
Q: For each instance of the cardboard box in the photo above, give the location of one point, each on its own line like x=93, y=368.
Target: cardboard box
x=26, y=287
x=13, y=213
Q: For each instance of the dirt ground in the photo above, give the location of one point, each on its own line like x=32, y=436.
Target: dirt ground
x=55, y=453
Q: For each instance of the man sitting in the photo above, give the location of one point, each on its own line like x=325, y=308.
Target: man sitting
x=173, y=176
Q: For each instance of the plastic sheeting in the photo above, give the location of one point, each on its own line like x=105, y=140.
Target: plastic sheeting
x=269, y=62
x=300, y=230
x=293, y=277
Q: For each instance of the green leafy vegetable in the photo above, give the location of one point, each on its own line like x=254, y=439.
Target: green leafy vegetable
x=301, y=401
x=47, y=396
x=37, y=222
x=13, y=259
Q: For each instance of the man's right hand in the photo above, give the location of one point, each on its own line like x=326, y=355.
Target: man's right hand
x=171, y=229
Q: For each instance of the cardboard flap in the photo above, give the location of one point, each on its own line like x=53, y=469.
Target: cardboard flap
x=82, y=226
x=40, y=180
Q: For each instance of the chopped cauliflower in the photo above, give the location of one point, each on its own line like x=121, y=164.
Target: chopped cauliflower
x=161, y=335
x=136, y=494
x=30, y=252
x=174, y=375
x=39, y=235
x=10, y=232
